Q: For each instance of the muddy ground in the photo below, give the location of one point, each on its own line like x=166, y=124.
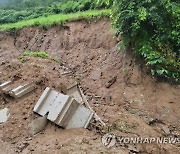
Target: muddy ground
x=134, y=105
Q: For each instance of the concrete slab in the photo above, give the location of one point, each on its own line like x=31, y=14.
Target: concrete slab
x=4, y=86
x=63, y=110
x=81, y=118
x=4, y=115
x=37, y=125
x=67, y=113
x=73, y=90
x=15, y=90
x=58, y=107
x=22, y=90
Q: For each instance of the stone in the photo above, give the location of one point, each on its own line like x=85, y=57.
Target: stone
x=37, y=125
x=4, y=115
x=166, y=130
x=73, y=90
x=133, y=149
x=152, y=121
x=5, y=85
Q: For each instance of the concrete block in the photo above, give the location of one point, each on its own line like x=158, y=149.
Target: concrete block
x=22, y=90
x=62, y=109
x=4, y=86
x=46, y=104
x=4, y=115
x=67, y=113
x=37, y=125
x=56, y=105
x=81, y=118
x=73, y=90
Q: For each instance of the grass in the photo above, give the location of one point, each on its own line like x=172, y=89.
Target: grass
x=40, y=54
x=124, y=126
x=53, y=20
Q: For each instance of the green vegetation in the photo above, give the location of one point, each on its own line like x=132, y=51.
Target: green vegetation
x=54, y=20
x=12, y=11
x=40, y=54
x=152, y=29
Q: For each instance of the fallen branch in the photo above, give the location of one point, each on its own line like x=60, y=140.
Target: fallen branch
x=97, y=118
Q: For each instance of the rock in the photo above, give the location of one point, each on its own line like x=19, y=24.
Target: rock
x=22, y=146
x=37, y=125
x=4, y=115
x=133, y=149
x=166, y=130
x=152, y=121
x=111, y=82
x=3, y=63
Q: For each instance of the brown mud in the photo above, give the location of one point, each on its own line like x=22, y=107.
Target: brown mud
x=119, y=90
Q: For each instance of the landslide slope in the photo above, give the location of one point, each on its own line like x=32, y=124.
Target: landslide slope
x=134, y=105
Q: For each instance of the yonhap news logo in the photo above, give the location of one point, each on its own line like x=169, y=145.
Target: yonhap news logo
x=110, y=140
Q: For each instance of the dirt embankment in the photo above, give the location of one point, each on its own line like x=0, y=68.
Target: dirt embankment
x=134, y=105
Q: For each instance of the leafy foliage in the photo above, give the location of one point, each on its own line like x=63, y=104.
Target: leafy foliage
x=12, y=11
x=152, y=28
x=54, y=20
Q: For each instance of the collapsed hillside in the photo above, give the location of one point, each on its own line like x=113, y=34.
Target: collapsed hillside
x=134, y=105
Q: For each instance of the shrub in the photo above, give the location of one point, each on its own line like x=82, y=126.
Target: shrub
x=152, y=28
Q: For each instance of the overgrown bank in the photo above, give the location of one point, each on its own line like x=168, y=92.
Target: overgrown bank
x=152, y=28
x=54, y=20
x=12, y=11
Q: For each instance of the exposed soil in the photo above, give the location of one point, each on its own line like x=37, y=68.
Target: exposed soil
x=129, y=100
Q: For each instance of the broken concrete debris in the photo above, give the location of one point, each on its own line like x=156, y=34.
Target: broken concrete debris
x=166, y=130
x=63, y=110
x=4, y=86
x=22, y=90
x=4, y=115
x=74, y=91
x=37, y=125
x=16, y=91
x=133, y=149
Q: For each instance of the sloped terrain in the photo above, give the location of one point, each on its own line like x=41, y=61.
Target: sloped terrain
x=133, y=104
